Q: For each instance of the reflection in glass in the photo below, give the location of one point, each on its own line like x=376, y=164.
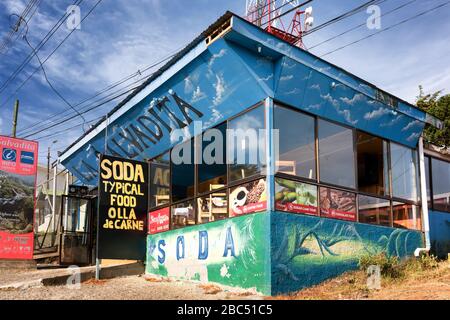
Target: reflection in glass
x=246, y=153
x=183, y=171
x=183, y=214
x=374, y=210
x=406, y=216
x=373, y=174
x=212, y=207
x=212, y=171
x=427, y=180
x=336, y=154
x=441, y=184
x=160, y=180
x=405, y=172
x=296, y=143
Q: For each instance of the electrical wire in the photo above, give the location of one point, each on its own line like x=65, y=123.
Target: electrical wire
x=102, y=91
x=386, y=29
x=360, y=25
x=38, y=47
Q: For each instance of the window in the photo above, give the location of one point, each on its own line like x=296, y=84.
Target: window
x=406, y=216
x=337, y=204
x=246, y=150
x=212, y=170
x=296, y=143
x=336, y=155
x=183, y=214
x=160, y=181
x=441, y=184
x=183, y=171
x=404, y=172
x=373, y=170
x=212, y=207
x=374, y=210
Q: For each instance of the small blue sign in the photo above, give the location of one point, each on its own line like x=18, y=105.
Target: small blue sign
x=9, y=155
x=27, y=157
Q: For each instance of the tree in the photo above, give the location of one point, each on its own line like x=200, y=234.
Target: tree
x=438, y=106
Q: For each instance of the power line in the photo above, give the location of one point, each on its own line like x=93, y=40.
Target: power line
x=38, y=47
x=90, y=109
x=8, y=39
x=386, y=29
x=104, y=90
x=54, y=50
x=360, y=25
x=45, y=75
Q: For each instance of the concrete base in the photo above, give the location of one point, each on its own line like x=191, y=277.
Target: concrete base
x=61, y=276
x=18, y=264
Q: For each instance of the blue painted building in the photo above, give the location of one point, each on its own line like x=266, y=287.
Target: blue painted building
x=338, y=172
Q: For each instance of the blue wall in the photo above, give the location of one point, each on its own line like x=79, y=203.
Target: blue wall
x=440, y=233
x=307, y=250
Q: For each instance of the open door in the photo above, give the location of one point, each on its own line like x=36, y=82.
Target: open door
x=77, y=230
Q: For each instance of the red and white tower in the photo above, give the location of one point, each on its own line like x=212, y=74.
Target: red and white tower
x=268, y=15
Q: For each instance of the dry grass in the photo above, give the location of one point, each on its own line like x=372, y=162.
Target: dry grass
x=210, y=288
x=95, y=282
x=416, y=283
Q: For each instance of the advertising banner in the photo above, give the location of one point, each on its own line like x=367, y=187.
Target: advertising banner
x=248, y=198
x=337, y=204
x=18, y=167
x=295, y=197
x=122, y=214
x=158, y=220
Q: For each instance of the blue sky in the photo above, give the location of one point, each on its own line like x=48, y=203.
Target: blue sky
x=120, y=37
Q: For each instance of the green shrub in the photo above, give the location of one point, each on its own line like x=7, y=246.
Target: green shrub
x=389, y=266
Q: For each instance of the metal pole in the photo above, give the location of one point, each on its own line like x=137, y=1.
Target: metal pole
x=424, y=198
x=48, y=169
x=55, y=172
x=16, y=112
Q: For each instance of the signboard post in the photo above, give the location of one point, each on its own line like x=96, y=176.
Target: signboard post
x=122, y=214
x=18, y=168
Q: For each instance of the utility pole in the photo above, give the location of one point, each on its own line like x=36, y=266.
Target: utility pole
x=48, y=169
x=14, y=124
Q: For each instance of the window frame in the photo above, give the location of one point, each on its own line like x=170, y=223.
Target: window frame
x=430, y=157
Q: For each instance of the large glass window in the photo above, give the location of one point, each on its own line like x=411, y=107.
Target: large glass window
x=183, y=171
x=246, y=151
x=212, y=207
x=373, y=170
x=441, y=184
x=296, y=143
x=405, y=172
x=160, y=180
x=183, y=215
x=406, y=216
x=212, y=169
x=374, y=210
x=336, y=154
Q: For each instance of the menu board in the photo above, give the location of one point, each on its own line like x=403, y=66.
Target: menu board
x=337, y=204
x=122, y=214
x=296, y=197
x=248, y=198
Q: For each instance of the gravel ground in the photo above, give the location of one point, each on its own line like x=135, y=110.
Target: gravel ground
x=129, y=288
